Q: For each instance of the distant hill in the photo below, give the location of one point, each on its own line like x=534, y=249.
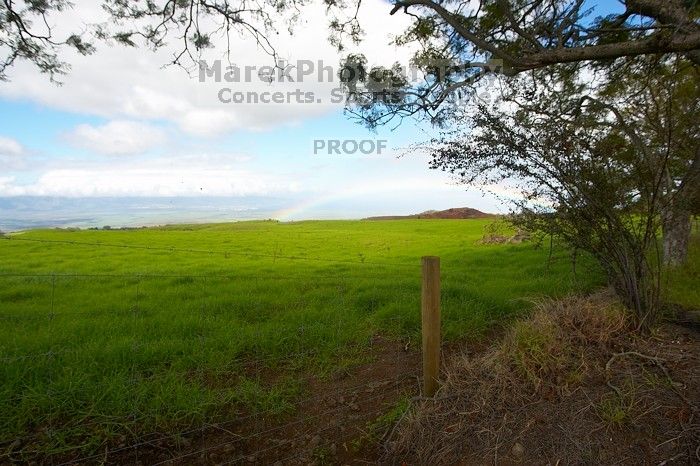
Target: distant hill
x=457, y=212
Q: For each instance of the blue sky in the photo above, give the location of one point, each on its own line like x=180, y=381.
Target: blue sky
x=121, y=125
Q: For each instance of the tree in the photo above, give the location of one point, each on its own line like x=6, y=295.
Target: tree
x=20, y=39
x=458, y=43
x=522, y=34
x=509, y=37
x=26, y=32
x=570, y=151
x=658, y=101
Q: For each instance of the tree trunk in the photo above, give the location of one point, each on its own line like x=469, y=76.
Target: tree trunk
x=676, y=225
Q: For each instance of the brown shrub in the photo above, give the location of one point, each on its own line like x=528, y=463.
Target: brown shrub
x=543, y=393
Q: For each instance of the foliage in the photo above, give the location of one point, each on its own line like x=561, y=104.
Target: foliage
x=20, y=38
x=657, y=102
x=25, y=31
x=590, y=170
x=458, y=45
x=450, y=37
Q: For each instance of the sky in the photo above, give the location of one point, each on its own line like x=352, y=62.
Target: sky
x=122, y=124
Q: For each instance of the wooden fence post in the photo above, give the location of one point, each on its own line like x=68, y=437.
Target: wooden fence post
x=430, y=318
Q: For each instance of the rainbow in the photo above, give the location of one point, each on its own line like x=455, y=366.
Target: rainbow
x=298, y=210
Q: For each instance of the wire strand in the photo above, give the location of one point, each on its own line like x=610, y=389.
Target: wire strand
x=209, y=251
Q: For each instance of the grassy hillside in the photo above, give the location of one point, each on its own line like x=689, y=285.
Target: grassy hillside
x=133, y=331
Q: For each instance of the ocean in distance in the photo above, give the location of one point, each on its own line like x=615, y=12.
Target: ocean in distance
x=29, y=212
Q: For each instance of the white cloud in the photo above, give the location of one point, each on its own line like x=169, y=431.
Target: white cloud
x=211, y=175
x=121, y=83
x=10, y=147
x=117, y=137
x=207, y=122
x=12, y=155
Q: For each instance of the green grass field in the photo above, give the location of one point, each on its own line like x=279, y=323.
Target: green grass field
x=127, y=332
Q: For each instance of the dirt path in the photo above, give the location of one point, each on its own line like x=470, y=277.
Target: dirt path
x=340, y=420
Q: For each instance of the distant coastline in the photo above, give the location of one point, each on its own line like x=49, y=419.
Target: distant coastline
x=23, y=213
x=26, y=213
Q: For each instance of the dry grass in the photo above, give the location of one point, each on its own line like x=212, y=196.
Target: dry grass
x=570, y=384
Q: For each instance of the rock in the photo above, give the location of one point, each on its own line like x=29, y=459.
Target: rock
x=315, y=441
x=229, y=448
x=518, y=450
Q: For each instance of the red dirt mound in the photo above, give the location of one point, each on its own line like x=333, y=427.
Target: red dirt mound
x=455, y=213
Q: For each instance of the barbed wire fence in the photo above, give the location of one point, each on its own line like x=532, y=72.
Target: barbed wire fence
x=290, y=390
